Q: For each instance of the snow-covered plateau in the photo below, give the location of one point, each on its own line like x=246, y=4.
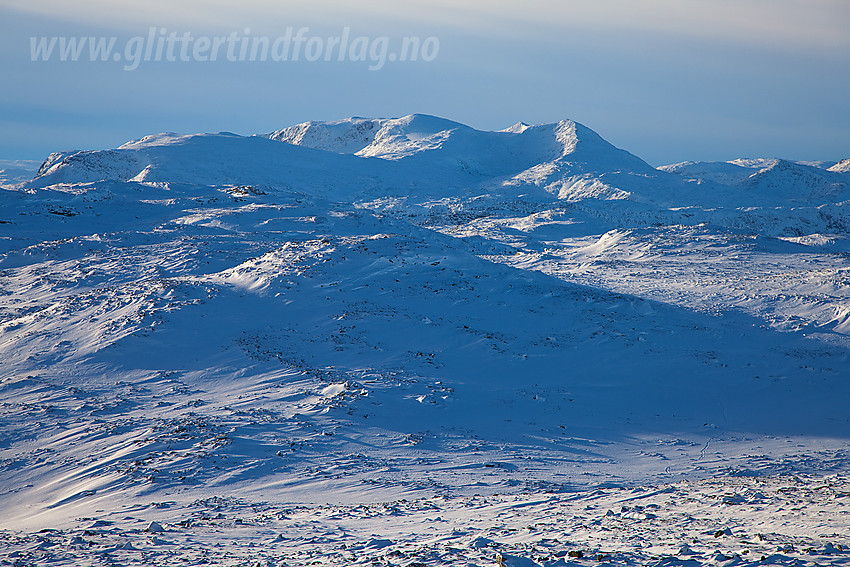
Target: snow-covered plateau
x=409, y=342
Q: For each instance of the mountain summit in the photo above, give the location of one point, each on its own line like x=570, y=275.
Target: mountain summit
x=372, y=157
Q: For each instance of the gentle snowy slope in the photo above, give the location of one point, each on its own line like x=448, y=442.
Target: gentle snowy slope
x=407, y=341
x=13, y=172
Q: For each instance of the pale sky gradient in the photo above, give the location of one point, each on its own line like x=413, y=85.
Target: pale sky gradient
x=668, y=80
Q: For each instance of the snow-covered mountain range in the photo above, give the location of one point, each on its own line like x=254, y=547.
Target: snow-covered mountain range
x=420, y=323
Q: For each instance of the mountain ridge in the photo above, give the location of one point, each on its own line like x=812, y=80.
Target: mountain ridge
x=384, y=156
x=389, y=156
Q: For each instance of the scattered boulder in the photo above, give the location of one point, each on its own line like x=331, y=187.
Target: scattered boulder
x=154, y=528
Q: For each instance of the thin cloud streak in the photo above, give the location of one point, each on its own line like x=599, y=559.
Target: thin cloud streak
x=788, y=24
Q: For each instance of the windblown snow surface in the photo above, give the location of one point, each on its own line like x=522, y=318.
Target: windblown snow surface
x=409, y=342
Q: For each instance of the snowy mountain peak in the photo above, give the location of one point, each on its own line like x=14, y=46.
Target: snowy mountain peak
x=842, y=166
x=576, y=143
x=398, y=138
x=770, y=177
x=347, y=136
x=372, y=156
x=754, y=163
x=517, y=128
x=572, y=136
x=390, y=138
x=786, y=179
x=409, y=135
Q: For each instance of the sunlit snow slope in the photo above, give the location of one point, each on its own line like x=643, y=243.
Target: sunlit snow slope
x=372, y=309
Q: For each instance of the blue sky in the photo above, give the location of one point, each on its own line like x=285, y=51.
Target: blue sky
x=668, y=80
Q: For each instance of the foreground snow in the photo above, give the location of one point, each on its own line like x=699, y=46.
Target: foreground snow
x=413, y=342
x=733, y=521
